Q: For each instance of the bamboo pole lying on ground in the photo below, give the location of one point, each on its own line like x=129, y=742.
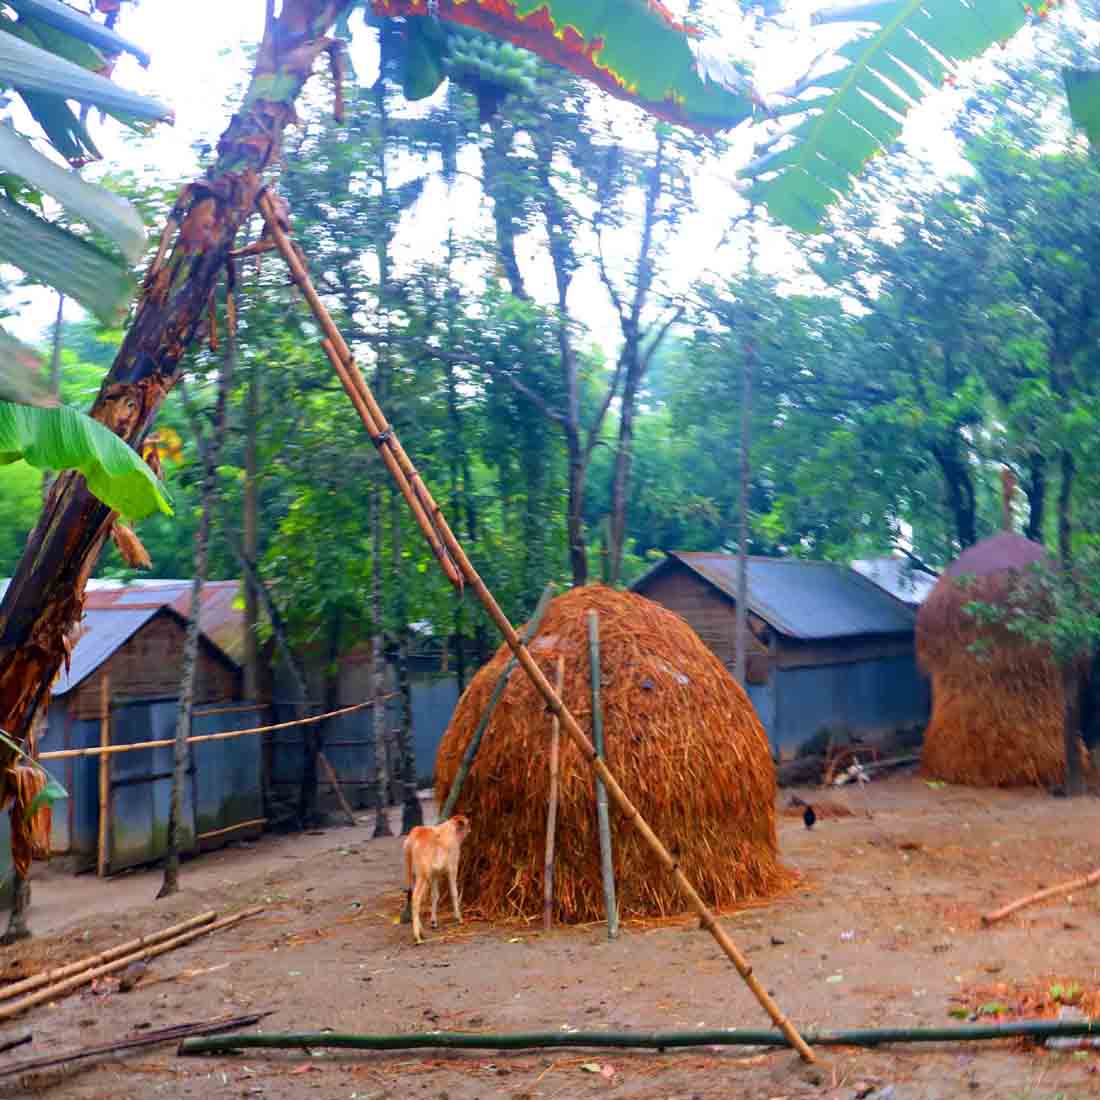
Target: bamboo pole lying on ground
x=255, y=823
x=67, y=985
x=459, y=569
x=334, y=782
x=49, y=977
x=15, y=1041
x=603, y=819
x=659, y=1040
x=552, y=805
x=149, y=1039
x=1092, y=879
x=491, y=706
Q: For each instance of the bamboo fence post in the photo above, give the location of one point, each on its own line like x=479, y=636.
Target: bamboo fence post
x=459, y=569
x=552, y=806
x=50, y=977
x=330, y=775
x=603, y=820
x=498, y=691
x=1042, y=895
x=67, y=985
x=104, y=772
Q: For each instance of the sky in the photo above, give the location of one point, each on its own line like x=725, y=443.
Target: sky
x=199, y=66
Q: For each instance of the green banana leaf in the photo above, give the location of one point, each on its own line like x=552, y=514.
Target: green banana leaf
x=860, y=109
x=65, y=18
x=99, y=208
x=21, y=378
x=63, y=439
x=631, y=48
x=58, y=258
x=1083, y=92
x=29, y=68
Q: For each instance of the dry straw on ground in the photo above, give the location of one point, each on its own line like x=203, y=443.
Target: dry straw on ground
x=681, y=737
x=996, y=716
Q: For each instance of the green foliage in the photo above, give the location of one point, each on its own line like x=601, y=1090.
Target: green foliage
x=1083, y=93
x=858, y=110
x=63, y=439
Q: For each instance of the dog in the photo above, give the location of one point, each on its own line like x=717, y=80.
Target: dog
x=432, y=851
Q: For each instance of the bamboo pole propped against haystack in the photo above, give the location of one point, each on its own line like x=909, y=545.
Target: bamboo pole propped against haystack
x=460, y=570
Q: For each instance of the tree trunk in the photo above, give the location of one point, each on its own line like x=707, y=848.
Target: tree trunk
x=378, y=669
x=960, y=492
x=251, y=536
x=741, y=627
x=1035, y=489
x=624, y=458
x=1071, y=692
x=494, y=159
x=46, y=595
x=1065, y=510
x=411, y=812
x=181, y=750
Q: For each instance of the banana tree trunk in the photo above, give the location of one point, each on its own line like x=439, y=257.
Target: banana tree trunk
x=46, y=596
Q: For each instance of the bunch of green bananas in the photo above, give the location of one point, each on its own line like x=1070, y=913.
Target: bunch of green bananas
x=477, y=61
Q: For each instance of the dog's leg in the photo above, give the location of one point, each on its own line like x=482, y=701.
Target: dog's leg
x=417, y=902
x=435, y=901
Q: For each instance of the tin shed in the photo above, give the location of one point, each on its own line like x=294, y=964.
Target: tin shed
x=829, y=648
x=134, y=654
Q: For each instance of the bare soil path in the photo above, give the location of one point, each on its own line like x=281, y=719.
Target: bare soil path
x=884, y=930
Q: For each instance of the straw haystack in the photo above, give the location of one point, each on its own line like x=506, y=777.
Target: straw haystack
x=996, y=717
x=681, y=737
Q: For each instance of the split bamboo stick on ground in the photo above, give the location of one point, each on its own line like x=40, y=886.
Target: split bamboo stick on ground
x=50, y=977
x=459, y=569
x=59, y=989
x=1042, y=895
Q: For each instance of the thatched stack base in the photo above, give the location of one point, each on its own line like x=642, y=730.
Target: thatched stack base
x=682, y=738
x=997, y=714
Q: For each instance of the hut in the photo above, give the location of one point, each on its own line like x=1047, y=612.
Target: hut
x=997, y=713
x=681, y=736
x=830, y=651
x=129, y=653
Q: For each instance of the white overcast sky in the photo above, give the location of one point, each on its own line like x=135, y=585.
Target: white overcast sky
x=198, y=64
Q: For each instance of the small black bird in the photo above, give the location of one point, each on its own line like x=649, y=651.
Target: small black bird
x=809, y=816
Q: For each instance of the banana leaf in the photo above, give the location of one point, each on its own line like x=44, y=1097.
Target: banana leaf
x=58, y=258
x=860, y=109
x=65, y=18
x=1083, y=92
x=63, y=439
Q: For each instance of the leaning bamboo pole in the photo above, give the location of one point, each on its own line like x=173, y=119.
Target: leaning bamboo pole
x=603, y=817
x=486, y=716
x=51, y=977
x=552, y=805
x=1042, y=895
x=67, y=985
x=659, y=1040
x=458, y=567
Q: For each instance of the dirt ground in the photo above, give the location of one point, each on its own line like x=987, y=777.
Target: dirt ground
x=884, y=930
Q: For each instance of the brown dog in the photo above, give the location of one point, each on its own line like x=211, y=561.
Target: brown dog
x=431, y=851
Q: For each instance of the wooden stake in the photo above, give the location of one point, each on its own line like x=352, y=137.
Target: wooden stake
x=498, y=691
x=59, y=989
x=552, y=807
x=1092, y=879
x=104, y=771
x=255, y=823
x=50, y=977
x=330, y=775
x=455, y=564
x=603, y=820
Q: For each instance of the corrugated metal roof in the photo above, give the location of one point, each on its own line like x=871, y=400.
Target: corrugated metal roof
x=101, y=634
x=811, y=600
x=897, y=577
x=220, y=619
